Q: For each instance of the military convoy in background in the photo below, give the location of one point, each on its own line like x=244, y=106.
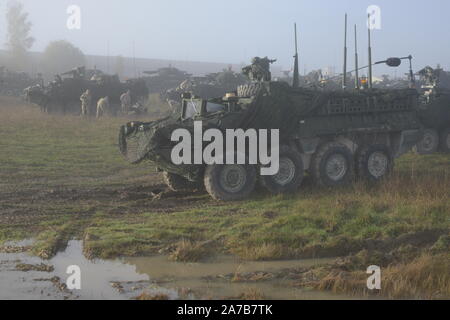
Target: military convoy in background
x=13, y=83
x=63, y=94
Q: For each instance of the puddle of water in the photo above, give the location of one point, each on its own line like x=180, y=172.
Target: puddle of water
x=192, y=276
x=151, y=274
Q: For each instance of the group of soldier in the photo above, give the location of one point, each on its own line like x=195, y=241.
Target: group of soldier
x=103, y=104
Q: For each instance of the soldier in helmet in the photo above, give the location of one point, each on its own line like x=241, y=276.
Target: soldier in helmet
x=102, y=106
x=125, y=100
x=259, y=70
x=86, y=101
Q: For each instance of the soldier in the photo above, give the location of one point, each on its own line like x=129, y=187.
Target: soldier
x=125, y=100
x=259, y=70
x=102, y=106
x=86, y=100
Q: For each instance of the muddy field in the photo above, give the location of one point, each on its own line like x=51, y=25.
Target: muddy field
x=64, y=185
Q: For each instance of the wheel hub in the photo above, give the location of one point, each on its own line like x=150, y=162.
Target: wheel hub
x=336, y=167
x=233, y=178
x=428, y=141
x=286, y=173
x=378, y=164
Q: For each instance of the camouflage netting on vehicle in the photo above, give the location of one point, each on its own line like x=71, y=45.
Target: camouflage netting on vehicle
x=276, y=106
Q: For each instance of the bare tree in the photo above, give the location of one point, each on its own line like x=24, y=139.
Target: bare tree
x=19, y=40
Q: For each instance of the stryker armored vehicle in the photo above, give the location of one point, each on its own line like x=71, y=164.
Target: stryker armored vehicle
x=161, y=80
x=63, y=94
x=434, y=111
x=331, y=135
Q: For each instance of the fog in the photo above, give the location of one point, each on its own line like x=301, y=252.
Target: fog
x=234, y=31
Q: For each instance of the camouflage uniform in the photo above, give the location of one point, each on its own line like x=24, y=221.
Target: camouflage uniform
x=102, y=106
x=125, y=99
x=86, y=101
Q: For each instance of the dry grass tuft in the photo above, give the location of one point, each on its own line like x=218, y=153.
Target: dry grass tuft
x=427, y=277
x=156, y=297
x=189, y=251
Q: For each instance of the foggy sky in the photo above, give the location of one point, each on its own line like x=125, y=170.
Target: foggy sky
x=233, y=31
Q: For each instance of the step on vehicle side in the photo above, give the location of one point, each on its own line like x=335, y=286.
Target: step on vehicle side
x=332, y=136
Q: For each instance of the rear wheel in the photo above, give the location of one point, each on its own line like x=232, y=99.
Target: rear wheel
x=333, y=165
x=445, y=140
x=290, y=174
x=178, y=183
x=430, y=142
x=230, y=182
x=374, y=163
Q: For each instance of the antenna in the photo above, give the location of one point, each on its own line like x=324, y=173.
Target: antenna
x=296, y=81
x=134, y=59
x=356, y=60
x=370, y=53
x=344, y=79
x=107, y=57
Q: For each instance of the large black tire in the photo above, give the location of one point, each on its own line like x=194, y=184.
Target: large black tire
x=445, y=141
x=290, y=175
x=178, y=183
x=374, y=163
x=430, y=142
x=230, y=182
x=333, y=165
x=248, y=90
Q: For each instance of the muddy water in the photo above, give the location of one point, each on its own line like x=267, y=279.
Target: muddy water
x=128, y=277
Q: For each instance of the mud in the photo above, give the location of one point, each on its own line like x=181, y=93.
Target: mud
x=150, y=278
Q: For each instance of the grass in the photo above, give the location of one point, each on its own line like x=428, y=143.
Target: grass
x=62, y=177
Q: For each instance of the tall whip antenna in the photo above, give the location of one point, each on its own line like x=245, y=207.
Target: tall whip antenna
x=344, y=79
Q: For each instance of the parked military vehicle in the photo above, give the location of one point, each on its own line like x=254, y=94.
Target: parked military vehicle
x=434, y=111
x=333, y=136
x=163, y=79
x=210, y=86
x=63, y=94
x=13, y=83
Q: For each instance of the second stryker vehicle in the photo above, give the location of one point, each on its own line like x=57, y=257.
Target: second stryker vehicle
x=434, y=111
x=333, y=136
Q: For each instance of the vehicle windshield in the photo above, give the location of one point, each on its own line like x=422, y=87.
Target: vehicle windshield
x=193, y=107
x=214, y=107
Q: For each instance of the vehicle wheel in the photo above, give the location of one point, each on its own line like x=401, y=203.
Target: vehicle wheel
x=429, y=143
x=230, y=182
x=178, y=183
x=445, y=140
x=333, y=165
x=290, y=175
x=374, y=163
x=248, y=90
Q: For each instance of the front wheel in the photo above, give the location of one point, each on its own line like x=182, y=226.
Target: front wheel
x=430, y=142
x=230, y=182
x=374, y=163
x=290, y=174
x=333, y=166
